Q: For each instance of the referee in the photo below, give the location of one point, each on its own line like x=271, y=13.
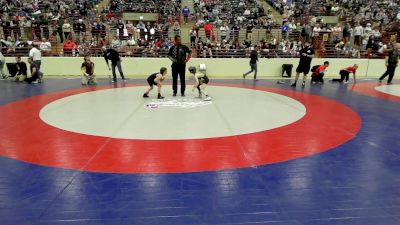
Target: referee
x=306, y=55
x=179, y=55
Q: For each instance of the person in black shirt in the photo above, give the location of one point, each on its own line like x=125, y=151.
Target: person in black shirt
x=253, y=63
x=156, y=79
x=113, y=56
x=306, y=55
x=391, y=63
x=34, y=72
x=21, y=72
x=179, y=55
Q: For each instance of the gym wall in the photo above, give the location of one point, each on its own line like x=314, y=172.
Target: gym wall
x=219, y=68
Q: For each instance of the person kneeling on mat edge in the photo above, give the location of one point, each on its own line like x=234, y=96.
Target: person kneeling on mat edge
x=87, y=69
x=318, y=73
x=344, y=74
x=201, y=82
x=156, y=79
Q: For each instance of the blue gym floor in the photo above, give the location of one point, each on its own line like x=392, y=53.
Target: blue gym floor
x=356, y=183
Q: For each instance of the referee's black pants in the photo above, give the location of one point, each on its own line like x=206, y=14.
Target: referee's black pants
x=390, y=69
x=178, y=70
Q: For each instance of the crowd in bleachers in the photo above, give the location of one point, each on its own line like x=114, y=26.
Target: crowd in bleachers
x=79, y=27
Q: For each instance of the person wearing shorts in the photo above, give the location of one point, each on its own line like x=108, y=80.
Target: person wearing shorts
x=306, y=55
x=156, y=79
x=201, y=82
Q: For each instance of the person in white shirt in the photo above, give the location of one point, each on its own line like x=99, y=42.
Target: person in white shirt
x=367, y=31
x=358, y=32
x=36, y=56
x=45, y=46
x=375, y=33
x=224, y=31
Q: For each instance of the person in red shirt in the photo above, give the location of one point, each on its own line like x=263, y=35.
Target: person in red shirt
x=208, y=29
x=318, y=75
x=69, y=47
x=344, y=74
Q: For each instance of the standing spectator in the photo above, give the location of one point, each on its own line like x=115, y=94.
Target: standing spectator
x=60, y=30
x=249, y=31
x=26, y=24
x=114, y=57
x=336, y=31
x=179, y=55
x=208, y=27
x=391, y=62
x=253, y=62
x=186, y=13
x=66, y=28
x=21, y=72
x=15, y=28
x=346, y=33
x=224, y=29
x=2, y=64
x=358, y=33
x=306, y=55
x=193, y=37
x=177, y=28
x=36, y=29
x=36, y=56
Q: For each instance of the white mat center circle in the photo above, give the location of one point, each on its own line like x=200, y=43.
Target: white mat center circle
x=123, y=113
x=393, y=89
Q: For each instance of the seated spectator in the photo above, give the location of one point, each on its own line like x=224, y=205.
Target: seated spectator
x=69, y=48
x=45, y=46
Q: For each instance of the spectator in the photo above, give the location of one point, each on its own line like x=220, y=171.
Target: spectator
x=186, y=13
x=66, y=28
x=45, y=46
x=69, y=48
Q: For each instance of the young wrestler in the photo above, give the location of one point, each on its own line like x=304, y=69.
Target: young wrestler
x=201, y=82
x=156, y=79
x=87, y=69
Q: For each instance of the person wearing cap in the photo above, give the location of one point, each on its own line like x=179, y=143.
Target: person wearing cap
x=306, y=55
x=344, y=74
x=114, y=57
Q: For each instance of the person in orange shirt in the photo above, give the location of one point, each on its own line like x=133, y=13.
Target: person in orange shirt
x=344, y=74
x=69, y=47
x=318, y=75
